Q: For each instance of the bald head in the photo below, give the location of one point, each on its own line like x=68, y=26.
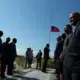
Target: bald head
x=74, y=18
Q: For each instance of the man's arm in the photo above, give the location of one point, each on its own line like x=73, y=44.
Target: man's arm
x=56, y=51
x=15, y=52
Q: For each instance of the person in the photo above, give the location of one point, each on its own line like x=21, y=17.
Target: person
x=26, y=61
x=39, y=57
x=1, y=34
x=57, y=53
x=29, y=56
x=12, y=56
x=32, y=56
x=46, y=57
x=5, y=56
x=68, y=32
x=71, y=61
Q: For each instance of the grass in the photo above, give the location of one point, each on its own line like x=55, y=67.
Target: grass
x=20, y=62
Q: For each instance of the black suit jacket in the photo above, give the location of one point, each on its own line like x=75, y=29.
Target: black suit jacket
x=46, y=53
x=0, y=46
x=58, y=50
x=13, y=50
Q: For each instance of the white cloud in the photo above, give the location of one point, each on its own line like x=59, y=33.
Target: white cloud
x=20, y=52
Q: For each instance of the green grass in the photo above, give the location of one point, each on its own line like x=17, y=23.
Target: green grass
x=50, y=63
x=20, y=60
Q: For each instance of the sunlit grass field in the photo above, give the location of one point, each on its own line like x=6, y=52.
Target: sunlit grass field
x=20, y=62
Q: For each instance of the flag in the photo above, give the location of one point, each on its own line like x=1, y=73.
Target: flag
x=54, y=29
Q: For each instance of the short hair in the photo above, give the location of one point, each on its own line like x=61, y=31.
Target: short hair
x=76, y=14
x=63, y=35
x=1, y=33
x=68, y=26
x=59, y=38
x=14, y=40
x=47, y=45
x=8, y=38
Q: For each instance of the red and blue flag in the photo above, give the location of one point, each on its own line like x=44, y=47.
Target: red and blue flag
x=54, y=29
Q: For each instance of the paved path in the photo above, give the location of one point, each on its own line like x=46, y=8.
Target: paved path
x=39, y=75
x=33, y=74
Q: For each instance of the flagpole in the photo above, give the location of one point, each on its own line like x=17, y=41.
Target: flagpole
x=50, y=28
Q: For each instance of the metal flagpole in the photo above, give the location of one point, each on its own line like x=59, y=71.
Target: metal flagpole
x=50, y=27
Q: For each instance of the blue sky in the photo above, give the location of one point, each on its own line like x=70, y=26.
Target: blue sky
x=29, y=21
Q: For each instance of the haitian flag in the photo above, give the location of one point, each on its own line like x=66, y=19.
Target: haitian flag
x=54, y=29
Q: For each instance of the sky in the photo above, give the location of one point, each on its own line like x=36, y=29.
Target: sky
x=29, y=21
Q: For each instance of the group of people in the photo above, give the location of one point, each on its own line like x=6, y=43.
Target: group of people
x=67, y=52
x=29, y=58
x=7, y=55
x=46, y=57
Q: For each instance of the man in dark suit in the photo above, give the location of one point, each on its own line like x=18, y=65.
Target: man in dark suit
x=57, y=52
x=1, y=34
x=72, y=53
x=5, y=56
x=26, y=60
x=12, y=56
x=46, y=57
x=68, y=31
x=39, y=57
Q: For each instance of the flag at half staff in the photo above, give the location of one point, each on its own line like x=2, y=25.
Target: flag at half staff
x=54, y=29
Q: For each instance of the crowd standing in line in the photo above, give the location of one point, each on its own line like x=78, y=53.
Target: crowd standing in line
x=7, y=56
x=68, y=58
x=66, y=54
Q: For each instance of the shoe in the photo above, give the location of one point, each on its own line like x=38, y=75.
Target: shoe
x=36, y=67
x=3, y=77
x=44, y=71
x=40, y=68
x=9, y=74
x=56, y=79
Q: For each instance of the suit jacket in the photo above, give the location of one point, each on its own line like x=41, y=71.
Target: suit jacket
x=66, y=42
x=29, y=54
x=39, y=55
x=5, y=51
x=13, y=50
x=0, y=45
x=46, y=53
x=58, y=50
x=72, y=53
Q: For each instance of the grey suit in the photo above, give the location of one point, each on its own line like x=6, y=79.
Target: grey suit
x=72, y=56
x=66, y=42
